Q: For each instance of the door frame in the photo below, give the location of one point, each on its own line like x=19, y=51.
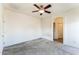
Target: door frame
x=54, y=28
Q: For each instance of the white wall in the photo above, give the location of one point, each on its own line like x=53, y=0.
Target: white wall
x=20, y=27
x=71, y=27
x=71, y=30
x=1, y=45
x=47, y=30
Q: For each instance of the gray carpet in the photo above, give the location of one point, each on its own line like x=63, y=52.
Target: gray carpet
x=35, y=47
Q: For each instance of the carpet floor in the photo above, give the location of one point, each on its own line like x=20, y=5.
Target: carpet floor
x=36, y=47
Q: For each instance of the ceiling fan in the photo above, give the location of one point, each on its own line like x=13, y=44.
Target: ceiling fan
x=42, y=9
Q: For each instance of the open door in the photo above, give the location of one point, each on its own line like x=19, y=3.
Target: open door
x=58, y=29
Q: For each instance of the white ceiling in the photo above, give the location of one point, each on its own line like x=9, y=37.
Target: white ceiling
x=27, y=8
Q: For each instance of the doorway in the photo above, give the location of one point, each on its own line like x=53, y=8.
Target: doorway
x=58, y=29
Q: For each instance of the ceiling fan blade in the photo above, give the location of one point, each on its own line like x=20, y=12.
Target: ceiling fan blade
x=47, y=11
x=37, y=6
x=41, y=13
x=47, y=6
x=35, y=11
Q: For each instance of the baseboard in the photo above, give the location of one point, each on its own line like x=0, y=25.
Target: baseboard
x=29, y=39
x=70, y=49
x=47, y=37
x=21, y=43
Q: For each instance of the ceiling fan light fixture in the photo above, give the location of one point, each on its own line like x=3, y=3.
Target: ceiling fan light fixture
x=41, y=11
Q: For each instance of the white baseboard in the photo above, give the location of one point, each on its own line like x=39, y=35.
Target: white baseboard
x=13, y=43
x=70, y=49
x=47, y=37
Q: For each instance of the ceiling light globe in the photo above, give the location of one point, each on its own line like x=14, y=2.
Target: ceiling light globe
x=41, y=11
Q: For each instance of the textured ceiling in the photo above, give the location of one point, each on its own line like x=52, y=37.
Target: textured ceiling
x=27, y=8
